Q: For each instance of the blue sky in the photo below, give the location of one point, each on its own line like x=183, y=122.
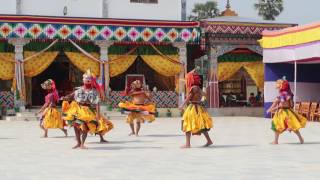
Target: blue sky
x=295, y=11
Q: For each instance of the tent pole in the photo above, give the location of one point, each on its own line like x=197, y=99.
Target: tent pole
x=295, y=82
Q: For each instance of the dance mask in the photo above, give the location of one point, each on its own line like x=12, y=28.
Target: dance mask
x=284, y=89
x=48, y=84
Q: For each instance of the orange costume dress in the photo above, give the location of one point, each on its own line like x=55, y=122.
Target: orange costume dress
x=140, y=112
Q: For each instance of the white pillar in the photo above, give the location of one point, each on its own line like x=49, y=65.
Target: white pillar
x=104, y=47
x=19, y=70
x=183, y=60
x=295, y=83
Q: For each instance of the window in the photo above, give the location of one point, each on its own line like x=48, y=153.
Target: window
x=145, y=1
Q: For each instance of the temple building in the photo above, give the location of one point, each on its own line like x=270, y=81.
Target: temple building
x=232, y=64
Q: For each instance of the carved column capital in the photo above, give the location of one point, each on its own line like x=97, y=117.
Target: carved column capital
x=104, y=46
x=18, y=43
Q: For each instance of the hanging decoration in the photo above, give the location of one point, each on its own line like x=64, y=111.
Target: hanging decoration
x=133, y=31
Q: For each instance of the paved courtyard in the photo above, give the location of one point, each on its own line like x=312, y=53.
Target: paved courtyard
x=241, y=152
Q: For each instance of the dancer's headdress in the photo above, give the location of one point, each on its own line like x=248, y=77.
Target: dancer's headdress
x=51, y=85
x=48, y=84
x=90, y=75
x=193, y=79
x=284, y=85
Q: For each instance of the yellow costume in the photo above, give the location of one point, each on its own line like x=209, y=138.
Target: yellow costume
x=141, y=113
x=287, y=119
x=52, y=119
x=196, y=119
x=85, y=116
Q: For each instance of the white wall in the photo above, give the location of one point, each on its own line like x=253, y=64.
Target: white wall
x=7, y=7
x=76, y=8
x=305, y=91
x=164, y=10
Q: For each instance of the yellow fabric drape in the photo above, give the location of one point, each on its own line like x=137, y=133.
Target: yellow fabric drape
x=227, y=69
x=83, y=63
x=255, y=69
x=256, y=72
x=119, y=64
x=7, y=66
x=38, y=64
x=162, y=65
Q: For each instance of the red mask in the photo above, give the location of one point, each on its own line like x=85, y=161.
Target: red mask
x=88, y=86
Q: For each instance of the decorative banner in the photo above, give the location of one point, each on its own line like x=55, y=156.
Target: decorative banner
x=241, y=28
x=98, y=29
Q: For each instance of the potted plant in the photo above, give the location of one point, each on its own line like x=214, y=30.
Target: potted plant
x=109, y=107
x=16, y=109
x=169, y=113
x=156, y=113
x=3, y=110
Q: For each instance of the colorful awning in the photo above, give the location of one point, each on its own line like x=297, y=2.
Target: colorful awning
x=119, y=30
x=291, y=36
x=301, y=44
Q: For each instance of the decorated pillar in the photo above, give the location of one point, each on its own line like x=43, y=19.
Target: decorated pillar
x=213, y=53
x=18, y=44
x=183, y=60
x=104, y=68
x=213, y=86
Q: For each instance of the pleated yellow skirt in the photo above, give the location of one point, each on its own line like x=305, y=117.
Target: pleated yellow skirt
x=196, y=119
x=140, y=113
x=52, y=119
x=287, y=119
x=84, y=116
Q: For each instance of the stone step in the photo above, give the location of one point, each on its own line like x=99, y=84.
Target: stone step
x=25, y=114
x=16, y=118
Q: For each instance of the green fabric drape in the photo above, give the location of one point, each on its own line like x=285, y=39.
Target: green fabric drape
x=240, y=57
x=91, y=47
x=6, y=47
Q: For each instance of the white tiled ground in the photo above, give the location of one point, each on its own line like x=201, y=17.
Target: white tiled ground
x=241, y=152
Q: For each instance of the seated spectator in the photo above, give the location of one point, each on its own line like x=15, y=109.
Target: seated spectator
x=252, y=99
x=259, y=99
x=222, y=101
x=230, y=99
x=241, y=97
